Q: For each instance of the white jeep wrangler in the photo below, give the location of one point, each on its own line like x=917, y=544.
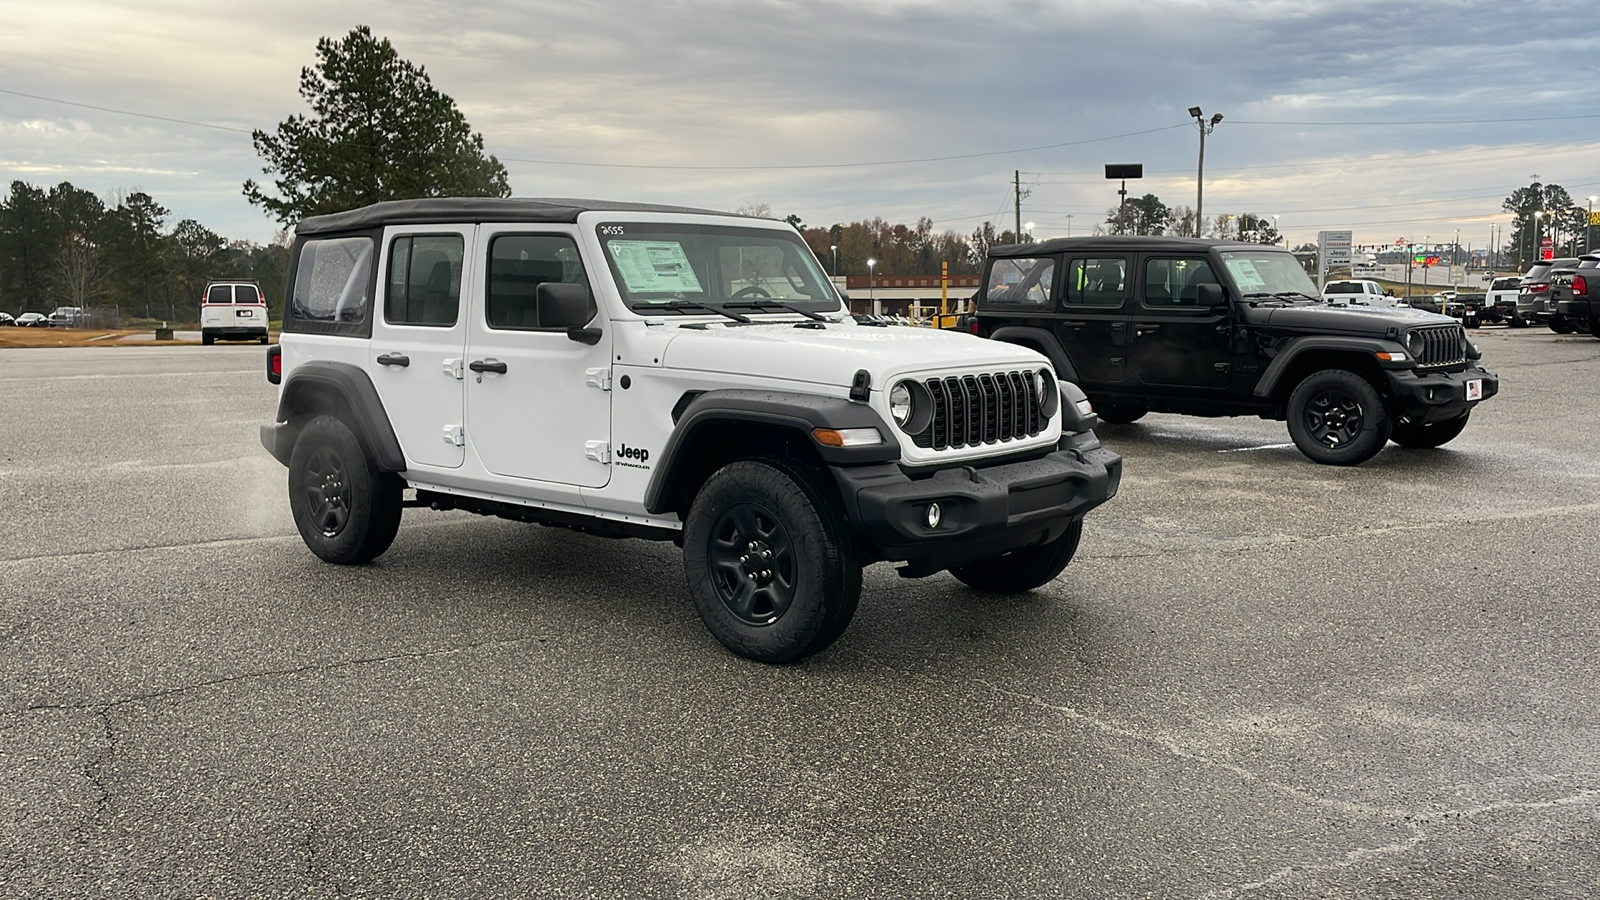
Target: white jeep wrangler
x=642, y=371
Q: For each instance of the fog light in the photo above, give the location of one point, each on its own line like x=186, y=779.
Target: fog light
x=935, y=515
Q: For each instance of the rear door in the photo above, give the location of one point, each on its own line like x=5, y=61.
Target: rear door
x=418, y=338
x=1093, y=315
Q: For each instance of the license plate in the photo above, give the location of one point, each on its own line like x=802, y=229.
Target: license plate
x=1475, y=389
x=245, y=313
x=1471, y=313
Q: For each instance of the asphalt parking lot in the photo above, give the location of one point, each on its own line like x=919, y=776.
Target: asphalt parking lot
x=1260, y=678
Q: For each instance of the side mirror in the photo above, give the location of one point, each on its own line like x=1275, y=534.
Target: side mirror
x=1211, y=295
x=569, y=306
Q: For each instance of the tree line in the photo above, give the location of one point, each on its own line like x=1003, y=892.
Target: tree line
x=65, y=246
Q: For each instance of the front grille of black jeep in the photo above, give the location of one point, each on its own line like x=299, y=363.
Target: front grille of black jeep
x=1438, y=345
x=972, y=410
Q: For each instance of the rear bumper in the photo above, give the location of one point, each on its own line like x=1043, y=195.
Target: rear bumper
x=254, y=331
x=1583, y=310
x=982, y=512
x=1424, y=398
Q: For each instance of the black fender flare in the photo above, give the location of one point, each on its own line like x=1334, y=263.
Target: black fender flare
x=1042, y=340
x=799, y=413
x=1294, y=348
x=354, y=388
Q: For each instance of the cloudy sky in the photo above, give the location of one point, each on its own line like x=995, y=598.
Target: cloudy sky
x=1390, y=118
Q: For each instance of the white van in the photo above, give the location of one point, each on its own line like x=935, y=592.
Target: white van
x=1358, y=291
x=233, y=311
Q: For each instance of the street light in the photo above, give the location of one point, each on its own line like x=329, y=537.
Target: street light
x=871, y=296
x=835, y=249
x=1206, y=126
x=1275, y=234
x=1028, y=227
x=1588, y=226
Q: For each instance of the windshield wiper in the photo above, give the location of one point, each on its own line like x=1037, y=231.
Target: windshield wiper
x=680, y=305
x=764, y=303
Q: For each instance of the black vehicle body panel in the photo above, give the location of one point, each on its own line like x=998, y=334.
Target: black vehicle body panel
x=323, y=386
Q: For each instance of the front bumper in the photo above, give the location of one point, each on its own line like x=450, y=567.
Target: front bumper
x=1427, y=397
x=984, y=512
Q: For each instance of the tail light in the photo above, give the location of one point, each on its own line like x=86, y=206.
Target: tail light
x=972, y=326
x=1536, y=287
x=275, y=363
x=1579, y=285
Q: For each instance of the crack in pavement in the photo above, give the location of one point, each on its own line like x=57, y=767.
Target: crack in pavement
x=1413, y=821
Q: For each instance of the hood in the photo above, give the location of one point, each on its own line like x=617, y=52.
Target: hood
x=1349, y=319
x=832, y=355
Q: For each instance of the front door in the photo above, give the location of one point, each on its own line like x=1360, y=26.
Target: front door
x=1092, y=318
x=538, y=402
x=1176, y=342
x=417, y=340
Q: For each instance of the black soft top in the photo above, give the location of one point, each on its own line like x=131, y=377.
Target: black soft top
x=440, y=210
x=1124, y=242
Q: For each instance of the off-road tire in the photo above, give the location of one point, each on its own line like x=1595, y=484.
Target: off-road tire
x=1023, y=570
x=1473, y=322
x=346, y=509
x=1426, y=437
x=1114, y=414
x=804, y=593
x=1337, y=418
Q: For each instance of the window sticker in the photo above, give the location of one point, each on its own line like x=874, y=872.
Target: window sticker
x=654, y=267
x=1245, y=275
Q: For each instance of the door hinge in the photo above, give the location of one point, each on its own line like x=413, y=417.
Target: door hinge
x=455, y=435
x=599, y=451
x=452, y=367
x=598, y=378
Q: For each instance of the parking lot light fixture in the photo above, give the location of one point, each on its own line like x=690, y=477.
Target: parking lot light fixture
x=871, y=296
x=1206, y=126
x=1588, y=226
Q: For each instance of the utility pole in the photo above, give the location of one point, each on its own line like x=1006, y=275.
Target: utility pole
x=1016, y=186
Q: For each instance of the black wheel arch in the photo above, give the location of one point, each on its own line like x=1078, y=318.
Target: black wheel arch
x=1042, y=341
x=1305, y=355
x=718, y=427
x=325, y=387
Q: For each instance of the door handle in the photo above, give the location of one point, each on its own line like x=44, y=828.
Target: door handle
x=1069, y=323
x=487, y=365
x=1141, y=330
x=394, y=359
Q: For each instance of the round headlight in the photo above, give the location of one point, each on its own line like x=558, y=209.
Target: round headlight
x=900, y=404
x=1414, y=343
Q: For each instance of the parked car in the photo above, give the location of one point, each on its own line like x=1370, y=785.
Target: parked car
x=1221, y=328
x=1533, y=295
x=1358, y=291
x=33, y=320
x=69, y=317
x=1501, y=296
x=233, y=310
x=7, y=319
x=1573, y=297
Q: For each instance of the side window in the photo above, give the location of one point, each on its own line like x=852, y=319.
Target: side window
x=1176, y=282
x=333, y=280
x=518, y=264
x=246, y=293
x=424, y=285
x=1097, y=282
x=1024, y=283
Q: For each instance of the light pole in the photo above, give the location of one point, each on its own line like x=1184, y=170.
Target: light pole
x=835, y=249
x=871, y=295
x=1028, y=227
x=1275, y=234
x=1206, y=127
x=1588, y=226
x=1538, y=236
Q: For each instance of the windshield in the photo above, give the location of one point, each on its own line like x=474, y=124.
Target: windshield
x=661, y=267
x=1266, y=271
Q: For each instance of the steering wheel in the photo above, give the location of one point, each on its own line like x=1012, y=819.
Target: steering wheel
x=751, y=291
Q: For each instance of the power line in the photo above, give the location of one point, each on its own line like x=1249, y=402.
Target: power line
x=124, y=112
x=1428, y=122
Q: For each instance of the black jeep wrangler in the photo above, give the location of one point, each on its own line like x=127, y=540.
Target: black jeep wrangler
x=1222, y=328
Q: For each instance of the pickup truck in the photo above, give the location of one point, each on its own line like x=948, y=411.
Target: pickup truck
x=1575, y=297
x=1358, y=291
x=1501, y=296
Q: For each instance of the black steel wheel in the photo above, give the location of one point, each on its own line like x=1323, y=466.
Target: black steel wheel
x=1337, y=418
x=1023, y=570
x=1424, y=437
x=770, y=560
x=347, y=510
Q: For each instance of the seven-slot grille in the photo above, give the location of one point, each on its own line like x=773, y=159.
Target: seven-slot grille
x=969, y=410
x=1438, y=345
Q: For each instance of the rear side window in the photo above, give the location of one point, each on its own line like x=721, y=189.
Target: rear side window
x=333, y=282
x=1176, y=282
x=518, y=264
x=1097, y=282
x=220, y=293
x=1026, y=283
x=424, y=285
x=1342, y=287
x=1505, y=284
